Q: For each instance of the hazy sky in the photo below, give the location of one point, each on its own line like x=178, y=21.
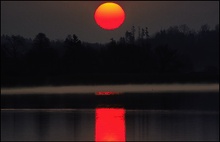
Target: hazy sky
x=57, y=19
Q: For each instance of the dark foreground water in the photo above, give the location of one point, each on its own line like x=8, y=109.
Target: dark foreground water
x=115, y=124
x=110, y=116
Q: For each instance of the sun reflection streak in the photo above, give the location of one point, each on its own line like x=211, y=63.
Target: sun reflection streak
x=110, y=124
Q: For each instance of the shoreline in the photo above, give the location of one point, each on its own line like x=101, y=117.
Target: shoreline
x=128, y=88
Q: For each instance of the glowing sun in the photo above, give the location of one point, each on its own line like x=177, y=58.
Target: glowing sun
x=109, y=16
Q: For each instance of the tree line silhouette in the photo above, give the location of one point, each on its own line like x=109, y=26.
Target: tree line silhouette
x=176, y=54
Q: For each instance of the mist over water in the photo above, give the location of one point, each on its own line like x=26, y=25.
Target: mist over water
x=129, y=88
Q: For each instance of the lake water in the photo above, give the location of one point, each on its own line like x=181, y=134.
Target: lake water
x=102, y=124
x=111, y=114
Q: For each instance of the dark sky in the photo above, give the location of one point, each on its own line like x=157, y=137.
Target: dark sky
x=58, y=19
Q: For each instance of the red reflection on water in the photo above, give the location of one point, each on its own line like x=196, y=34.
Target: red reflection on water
x=110, y=124
x=107, y=93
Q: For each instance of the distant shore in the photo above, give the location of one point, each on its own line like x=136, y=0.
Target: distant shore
x=150, y=97
x=127, y=88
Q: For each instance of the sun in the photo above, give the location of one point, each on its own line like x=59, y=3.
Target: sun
x=109, y=16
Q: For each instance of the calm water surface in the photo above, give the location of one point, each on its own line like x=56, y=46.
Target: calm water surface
x=103, y=124
x=188, y=112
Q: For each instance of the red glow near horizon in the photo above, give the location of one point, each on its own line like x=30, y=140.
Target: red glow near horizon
x=110, y=124
x=107, y=93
